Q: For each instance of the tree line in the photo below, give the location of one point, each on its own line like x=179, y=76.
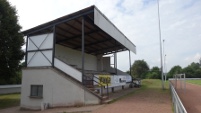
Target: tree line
x=140, y=69
x=11, y=41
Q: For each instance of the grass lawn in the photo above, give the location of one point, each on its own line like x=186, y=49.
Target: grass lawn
x=9, y=100
x=155, y=86
x=198, y=82
x=150, y=85
x=154, y=83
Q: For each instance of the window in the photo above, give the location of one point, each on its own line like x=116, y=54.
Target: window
x=36, y=91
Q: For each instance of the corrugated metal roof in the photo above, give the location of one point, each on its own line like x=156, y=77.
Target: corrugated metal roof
x=69, y=32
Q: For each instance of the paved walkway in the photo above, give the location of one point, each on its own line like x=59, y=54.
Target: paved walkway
x=137, y=101
x=190, y=97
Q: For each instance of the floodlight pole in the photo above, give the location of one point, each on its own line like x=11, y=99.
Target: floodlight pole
x=164, y=65
x=165, y=68
x=159, y=26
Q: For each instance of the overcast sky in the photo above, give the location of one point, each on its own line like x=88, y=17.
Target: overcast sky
x=138, y=20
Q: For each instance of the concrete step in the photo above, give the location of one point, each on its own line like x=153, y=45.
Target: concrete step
x=89, y=86
x=105, y=99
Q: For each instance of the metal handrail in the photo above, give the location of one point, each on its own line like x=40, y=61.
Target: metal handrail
x=99, y=84
x=178, y=106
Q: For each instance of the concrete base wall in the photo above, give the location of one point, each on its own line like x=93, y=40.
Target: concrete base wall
x=58, y=90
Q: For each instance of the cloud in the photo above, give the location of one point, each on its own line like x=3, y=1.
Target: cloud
x=193, y=58
x=138, y=20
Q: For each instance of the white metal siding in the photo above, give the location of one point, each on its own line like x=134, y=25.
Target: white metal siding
x=103, y=23
x=74, y=57
x=40, y=57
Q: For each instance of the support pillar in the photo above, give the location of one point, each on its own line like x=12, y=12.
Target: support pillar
x=83, y=49
x=53, y=49
x=115, y=58
x=130, y=61
x=26, y=54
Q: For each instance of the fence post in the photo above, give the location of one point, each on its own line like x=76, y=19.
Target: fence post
x=107, y=91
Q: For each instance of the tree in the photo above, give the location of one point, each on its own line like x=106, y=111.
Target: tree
x=189, y=72
x=174, y=70
x=11, y=41
x=139, y=69
x=154, y=73
x=197, y=73
x=195, y=66
x=192, y=71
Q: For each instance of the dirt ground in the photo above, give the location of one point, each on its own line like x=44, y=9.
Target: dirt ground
x=151, y=100
x=190, y=97
x=148, y=101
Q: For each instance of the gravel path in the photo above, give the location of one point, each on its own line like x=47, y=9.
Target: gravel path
x=148, y=101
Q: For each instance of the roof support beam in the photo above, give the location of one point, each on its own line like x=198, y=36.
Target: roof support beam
x=94, y=43
x=101, y=50
x=65, y=30
x=90, y=20
x=81, y=23
x=77, y=36
x=109, y=52
x=57, y=23
x=73, y=26
x=63, y=36
x=69, y=43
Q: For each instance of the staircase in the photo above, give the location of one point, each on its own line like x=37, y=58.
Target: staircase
x=97, y=89
x=88, y=82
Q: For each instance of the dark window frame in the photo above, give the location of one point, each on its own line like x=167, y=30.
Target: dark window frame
x=36, y=91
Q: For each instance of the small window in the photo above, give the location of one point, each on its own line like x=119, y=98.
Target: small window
x=36, y=91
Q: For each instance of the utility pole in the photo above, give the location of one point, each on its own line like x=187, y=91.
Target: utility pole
x=159, y=26
x=164, y=64
x=165, y=68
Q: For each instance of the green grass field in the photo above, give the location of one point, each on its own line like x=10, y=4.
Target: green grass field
x=154, y=83
x=9, y=100
x=198, y=82
x=150, y=85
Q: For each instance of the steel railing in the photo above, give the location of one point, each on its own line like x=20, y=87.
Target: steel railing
x=101, y=85
x=178, y=106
